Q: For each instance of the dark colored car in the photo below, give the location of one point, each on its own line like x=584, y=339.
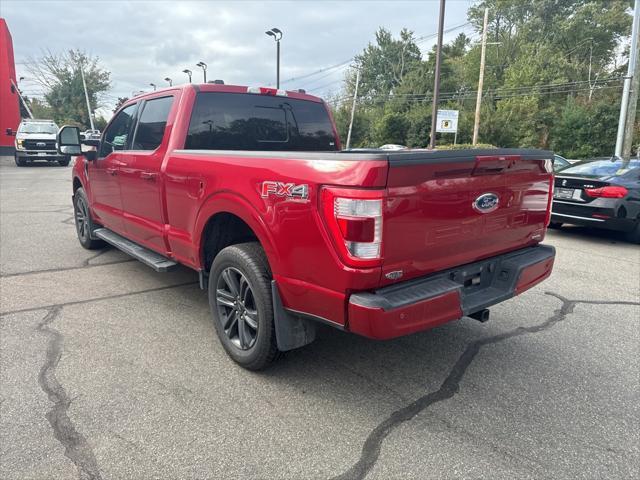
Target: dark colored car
x=559, y=163
x=599, y=193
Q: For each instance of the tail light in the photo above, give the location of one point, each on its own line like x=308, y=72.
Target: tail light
x=609, y=191
x=354, y=220
x=552, y=187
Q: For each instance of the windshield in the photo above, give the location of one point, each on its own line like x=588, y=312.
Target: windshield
x=38, y=128
x=600, y=168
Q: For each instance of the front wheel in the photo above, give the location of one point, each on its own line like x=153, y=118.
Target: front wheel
x=64, y=161
x=84, y=224
x=19, y=161
x=241, y=305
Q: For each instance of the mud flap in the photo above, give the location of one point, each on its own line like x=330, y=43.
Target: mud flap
x=292, y=331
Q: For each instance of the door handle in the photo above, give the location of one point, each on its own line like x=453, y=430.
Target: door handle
x=148, y=176
x=112, y=171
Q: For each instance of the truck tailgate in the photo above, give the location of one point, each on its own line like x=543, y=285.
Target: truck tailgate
x=441, y=208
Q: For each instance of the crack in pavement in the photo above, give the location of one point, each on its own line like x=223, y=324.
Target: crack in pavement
x=65, y=269
x=76, y=447
x=96, y=299
x=451, y=385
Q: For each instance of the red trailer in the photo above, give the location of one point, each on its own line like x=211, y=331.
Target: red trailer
x=9, y=99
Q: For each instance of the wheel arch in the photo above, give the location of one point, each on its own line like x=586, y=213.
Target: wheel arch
x=227, y=219
x=77, y=183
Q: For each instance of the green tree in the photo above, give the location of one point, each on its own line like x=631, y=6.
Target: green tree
x=384, y=65
x=60, y=77
x=121, y=101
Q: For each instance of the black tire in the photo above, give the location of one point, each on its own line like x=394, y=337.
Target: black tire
x=19, y=161
x=634, y=235
x=64, y=161
x=555, y=225
x=84, y=223
x=243, y=267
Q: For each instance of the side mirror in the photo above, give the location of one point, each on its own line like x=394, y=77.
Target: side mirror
x=10, y=132
x=68, y=141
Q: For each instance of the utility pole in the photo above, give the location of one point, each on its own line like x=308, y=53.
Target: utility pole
x=476, y=123
x=624, y=104
x=436, y=86
x=86, y=96
x=353, y=108
x=26, y=107
x=633, y=100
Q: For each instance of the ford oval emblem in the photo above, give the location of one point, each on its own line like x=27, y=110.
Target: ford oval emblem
x=485, y=203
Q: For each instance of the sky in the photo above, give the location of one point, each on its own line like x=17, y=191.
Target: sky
x=143, y=42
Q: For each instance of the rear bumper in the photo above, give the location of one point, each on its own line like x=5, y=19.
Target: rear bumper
x=601, y=213
x=427, y=302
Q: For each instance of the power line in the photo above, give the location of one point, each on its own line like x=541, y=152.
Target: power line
x=417, y=40
x=508, y=89
x=568, y=87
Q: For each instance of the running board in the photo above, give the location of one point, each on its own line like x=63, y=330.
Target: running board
x=156, y=261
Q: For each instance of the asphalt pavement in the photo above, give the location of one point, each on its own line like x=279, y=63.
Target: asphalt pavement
x=109, y=370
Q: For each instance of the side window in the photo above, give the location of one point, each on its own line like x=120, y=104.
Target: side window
x=151, y=123
x=116, y=137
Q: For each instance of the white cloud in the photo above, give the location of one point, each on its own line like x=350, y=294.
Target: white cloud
x=142, y=42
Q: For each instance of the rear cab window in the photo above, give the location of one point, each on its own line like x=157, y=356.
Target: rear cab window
x=238, y=121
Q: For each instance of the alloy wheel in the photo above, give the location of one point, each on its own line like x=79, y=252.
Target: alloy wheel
x=237, y=310
x=82, y=218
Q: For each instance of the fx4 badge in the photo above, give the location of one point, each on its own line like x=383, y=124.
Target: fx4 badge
x=289, y=190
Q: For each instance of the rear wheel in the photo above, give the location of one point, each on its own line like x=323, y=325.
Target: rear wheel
x=84, y=224
x=555, y=225
x=241, y=305
x=634, y=235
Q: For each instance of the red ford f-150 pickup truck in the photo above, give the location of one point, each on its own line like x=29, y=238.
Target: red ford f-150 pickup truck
x=249, y=187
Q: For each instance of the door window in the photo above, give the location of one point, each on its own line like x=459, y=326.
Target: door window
x=151, y=123
x=116, y=137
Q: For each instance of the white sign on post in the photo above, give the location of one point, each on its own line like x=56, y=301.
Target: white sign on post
x=447, y=121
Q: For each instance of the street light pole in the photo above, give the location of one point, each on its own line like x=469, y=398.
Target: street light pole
x=277, y=36
x=86, y=96
x=436, y=87
x=167, y=79
x=203, y=66
x=188, y=72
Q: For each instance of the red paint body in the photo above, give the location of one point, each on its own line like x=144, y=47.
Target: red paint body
x=164, y=199
x=9, y=106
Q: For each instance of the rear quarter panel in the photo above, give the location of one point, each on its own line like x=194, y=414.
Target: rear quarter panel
x=311, y=278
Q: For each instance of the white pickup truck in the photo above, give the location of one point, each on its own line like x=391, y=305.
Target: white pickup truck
x=36, y=140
